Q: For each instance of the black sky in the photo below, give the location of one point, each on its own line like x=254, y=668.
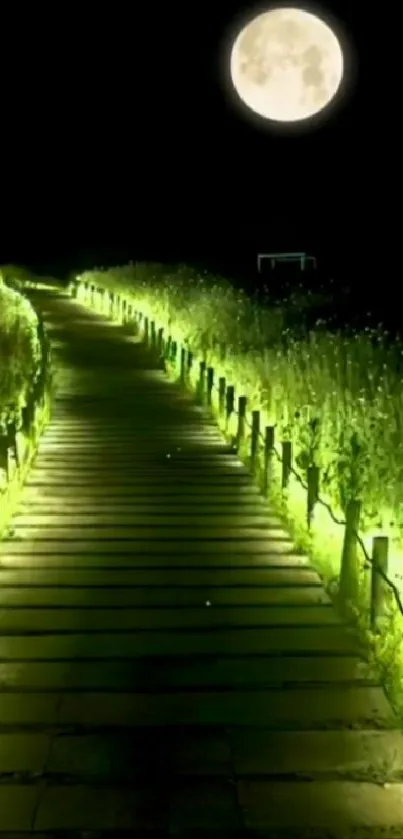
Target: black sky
x=120, y=136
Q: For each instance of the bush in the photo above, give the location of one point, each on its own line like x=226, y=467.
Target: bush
x=20, y=352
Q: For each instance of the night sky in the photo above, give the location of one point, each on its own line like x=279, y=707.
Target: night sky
x=122, y=139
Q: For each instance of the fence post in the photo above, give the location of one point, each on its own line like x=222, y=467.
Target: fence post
x=202, y=381
x=160, y=340
x=286, y=463
x=268, y=454
x=210, y=383
x=183, y=365
x=153, y=335
x=4, y=454
x=146, y=331
x=221, y=395
x=349, y=572
x=240, y=434
x=313, y=493
x=189, y=364
x=174, y=353
x=380, y=549
x=254, y=443
x=167, y=350
x=230, y=399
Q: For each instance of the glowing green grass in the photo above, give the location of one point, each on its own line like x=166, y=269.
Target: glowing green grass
x=20, y=366
x=338, y=397
x=20, y=351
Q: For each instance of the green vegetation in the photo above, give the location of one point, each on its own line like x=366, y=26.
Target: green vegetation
x=20, y=351
x=336, y=396
x=23, y=399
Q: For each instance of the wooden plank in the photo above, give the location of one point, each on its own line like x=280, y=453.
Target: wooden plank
x=141, y=481
x=104, y=808
x=145, y=546
x=192, y=493
x=137, y=530
x=177, y=577
x=139, y=752
x=320, y=707
x=37, y=595
x=276, y=641
x=18, y=803
x=128, y=467
x=26, y=752
x=122, y=620
x=160, y=506
x=310, y=754
x=124, y=482
x=155, y=561
x=347, y=809
x=155, y=674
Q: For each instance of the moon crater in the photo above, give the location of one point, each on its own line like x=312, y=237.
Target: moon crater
x=286, y=65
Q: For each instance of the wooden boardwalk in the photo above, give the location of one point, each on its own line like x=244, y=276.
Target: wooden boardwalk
x=168, y=665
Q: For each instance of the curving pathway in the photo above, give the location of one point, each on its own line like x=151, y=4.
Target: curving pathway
x=168, y=664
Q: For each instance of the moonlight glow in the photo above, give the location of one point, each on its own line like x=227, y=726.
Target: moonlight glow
x=286, y=65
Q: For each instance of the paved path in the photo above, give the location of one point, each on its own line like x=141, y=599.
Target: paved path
x=167, y=663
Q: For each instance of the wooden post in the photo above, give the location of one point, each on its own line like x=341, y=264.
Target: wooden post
x=153, y=335
x=4, y=454
x=160, y=340
x=189, y=364
x=240, y=434
x=313, y=493
x=230, y=400
x=286, y=463
x=210, y=383
x=221, y=394
x=174, y=352
x=349, y=571
x=254, y=443
x=268, y=454
x=202, y=381
x=183, y=364
x=124, y=311
x=380, y=549
x=129, y=311
x=168, y=345
x=146, y=331
x=12, y=442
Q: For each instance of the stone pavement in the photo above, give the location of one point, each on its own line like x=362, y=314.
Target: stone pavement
x=169, y=665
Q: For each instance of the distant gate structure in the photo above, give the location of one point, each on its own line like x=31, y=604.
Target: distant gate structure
x=303, y=259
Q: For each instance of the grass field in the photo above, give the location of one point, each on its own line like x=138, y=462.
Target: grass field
x=336, y=394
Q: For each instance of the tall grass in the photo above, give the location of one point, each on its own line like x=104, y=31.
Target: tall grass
x=20, y=352
x=336, y=394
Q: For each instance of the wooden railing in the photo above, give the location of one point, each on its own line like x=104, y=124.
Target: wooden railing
x=258, y=447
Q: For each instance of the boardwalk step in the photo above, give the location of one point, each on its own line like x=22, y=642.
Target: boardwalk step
x=299, y=708
x=205, y=751
x=122, y=620
x=229, y=561
x=263, y=641
x=156, y=674
x=262, y=533
x=37, y=594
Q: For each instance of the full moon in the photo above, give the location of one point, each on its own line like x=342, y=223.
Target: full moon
x=286, y=65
